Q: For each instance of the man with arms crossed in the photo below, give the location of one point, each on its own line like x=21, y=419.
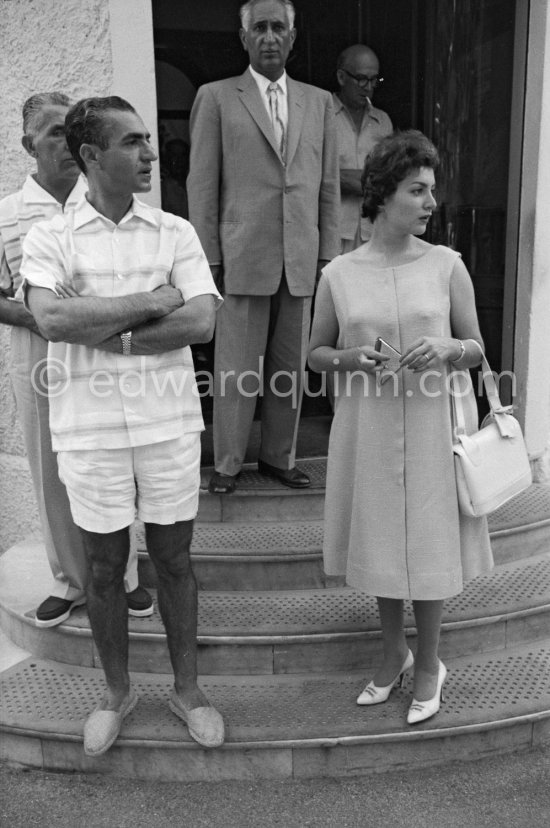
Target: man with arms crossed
x=53, y=188
x=121, y=290
x=263, y=196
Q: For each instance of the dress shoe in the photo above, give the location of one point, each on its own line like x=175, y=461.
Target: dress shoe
x=205, y=724
x=420, y=711
x=223, y=483
x=103, y=726
x=54, y=611
x=294, y=478
x=140, y=603
x=376, y=695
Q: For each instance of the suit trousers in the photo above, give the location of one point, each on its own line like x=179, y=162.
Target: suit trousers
x=260, y=349
x=62, y=539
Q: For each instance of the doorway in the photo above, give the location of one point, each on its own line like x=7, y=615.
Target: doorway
x=447, y=70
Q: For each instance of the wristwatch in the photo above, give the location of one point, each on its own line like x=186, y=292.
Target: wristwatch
x=126, y=338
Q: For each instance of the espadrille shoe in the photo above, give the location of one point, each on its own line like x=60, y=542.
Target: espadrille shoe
x=103, y=726
x=205, y=724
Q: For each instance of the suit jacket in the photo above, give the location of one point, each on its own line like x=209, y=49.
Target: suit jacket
x=253, y=213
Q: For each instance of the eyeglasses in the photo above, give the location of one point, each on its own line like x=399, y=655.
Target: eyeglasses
x=364, y=80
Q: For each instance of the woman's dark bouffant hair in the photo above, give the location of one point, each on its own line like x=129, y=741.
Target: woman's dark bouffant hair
x=393, y=159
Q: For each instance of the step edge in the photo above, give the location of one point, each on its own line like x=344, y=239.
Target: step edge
x=282, y=558
x=279, y=490
x=304, y=553
x=521, y=527
x=315, y=741
x=320, y=637
x=346, y=635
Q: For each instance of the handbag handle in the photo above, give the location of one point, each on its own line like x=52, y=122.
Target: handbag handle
x=498, y=411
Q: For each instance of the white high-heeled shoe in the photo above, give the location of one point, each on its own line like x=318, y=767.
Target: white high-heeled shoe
x=376, y=695
x=420, y=711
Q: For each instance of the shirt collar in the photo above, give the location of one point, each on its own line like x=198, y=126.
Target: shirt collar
x=84, y=212
x=264, y=82
x=142, y=211
x=33, y=193
x=339, y=106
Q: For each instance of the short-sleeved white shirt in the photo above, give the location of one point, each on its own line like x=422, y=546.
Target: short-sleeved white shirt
x=18, y=212
x=100, y=399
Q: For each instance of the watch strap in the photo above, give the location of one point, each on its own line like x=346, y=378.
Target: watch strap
x=126, y=338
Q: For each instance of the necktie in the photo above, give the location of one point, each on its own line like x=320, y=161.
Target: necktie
x=276, y=120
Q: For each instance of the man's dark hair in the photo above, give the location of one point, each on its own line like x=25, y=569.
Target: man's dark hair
x=393, y=159
x=86, y=123
x=33, y=106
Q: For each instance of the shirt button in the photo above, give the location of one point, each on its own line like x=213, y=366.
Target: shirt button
x=119, y=276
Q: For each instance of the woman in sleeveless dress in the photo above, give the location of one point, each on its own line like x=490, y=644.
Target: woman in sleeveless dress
x=392, y=524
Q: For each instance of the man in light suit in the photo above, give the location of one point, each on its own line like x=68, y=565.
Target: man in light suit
x=264, y=198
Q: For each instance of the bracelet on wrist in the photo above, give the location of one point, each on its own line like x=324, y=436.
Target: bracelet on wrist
x=462, y=351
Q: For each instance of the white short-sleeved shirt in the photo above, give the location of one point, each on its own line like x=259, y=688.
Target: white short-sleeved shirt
x=100, y=399
x=353, y=148
x=18, y=212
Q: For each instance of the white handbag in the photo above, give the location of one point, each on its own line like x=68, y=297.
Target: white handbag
x=491, y=465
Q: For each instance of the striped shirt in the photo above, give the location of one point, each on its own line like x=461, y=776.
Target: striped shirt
x=100, y=399
x=18, y=212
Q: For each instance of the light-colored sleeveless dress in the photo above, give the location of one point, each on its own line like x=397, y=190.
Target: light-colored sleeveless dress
x=392, y=525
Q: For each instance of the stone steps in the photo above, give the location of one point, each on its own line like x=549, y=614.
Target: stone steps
x=232, y=553
x=251, y=556
x=280, y=727
x=260, y=499
x=286, y=631
x=284, y=651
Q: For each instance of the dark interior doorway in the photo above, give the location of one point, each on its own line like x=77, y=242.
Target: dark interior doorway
x=447, y=70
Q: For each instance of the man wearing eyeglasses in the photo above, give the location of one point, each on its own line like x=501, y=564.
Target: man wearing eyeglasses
x=359, y=126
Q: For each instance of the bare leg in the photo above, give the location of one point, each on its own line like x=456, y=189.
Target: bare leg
x=393, y=638
x=428, y=616
x=107, y=555
x=168, y=547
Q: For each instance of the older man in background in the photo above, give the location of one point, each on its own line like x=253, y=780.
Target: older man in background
x=54, y=187
x=359, y=126
x=263, y=197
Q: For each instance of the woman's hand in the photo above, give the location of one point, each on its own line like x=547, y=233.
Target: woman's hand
x=362, y=358
x=429, y=351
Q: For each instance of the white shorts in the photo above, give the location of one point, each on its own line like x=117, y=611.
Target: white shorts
x=107, y=488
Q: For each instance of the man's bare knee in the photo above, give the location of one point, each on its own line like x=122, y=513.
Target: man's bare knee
x=169, y=548
x=175, y=563
x=107, y=556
